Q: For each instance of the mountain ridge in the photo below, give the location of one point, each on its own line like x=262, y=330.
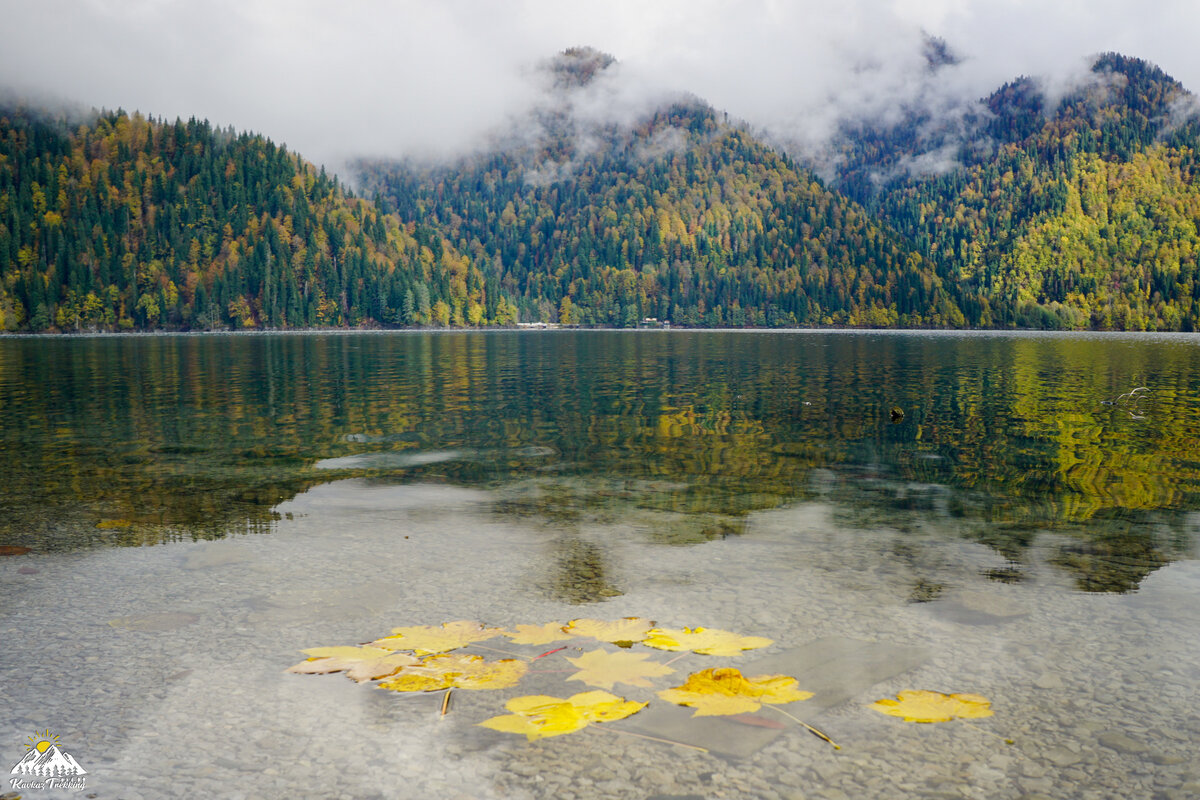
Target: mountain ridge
x=609, y=204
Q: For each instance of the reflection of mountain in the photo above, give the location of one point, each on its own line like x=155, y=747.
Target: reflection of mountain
x=679, y=433
x=51, y=763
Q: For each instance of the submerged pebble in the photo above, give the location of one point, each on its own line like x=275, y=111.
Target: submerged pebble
x=155, y=623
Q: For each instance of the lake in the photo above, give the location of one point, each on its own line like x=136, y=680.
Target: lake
x=1015, y=516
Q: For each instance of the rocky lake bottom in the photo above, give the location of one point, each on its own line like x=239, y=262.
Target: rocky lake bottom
x=162, y=669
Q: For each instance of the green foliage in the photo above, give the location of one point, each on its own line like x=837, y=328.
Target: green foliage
x=685, y=218
x=128, y=222
x=1082, y=216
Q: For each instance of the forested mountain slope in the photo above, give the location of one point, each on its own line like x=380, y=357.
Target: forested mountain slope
x=721, y=231
x=680, y=216
x=1021, y=211
x=1080, y=215
x=123, y=222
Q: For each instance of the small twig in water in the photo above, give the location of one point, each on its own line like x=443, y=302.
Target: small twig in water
x=673, y=660
x=651, y=738
x=446, y=701
x=502, y=652
x=810, y=728
x=549, y=652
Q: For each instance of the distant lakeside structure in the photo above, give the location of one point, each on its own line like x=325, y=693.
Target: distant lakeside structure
x=648, y=322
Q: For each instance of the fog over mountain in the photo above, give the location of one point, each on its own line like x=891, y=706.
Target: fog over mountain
x=387, y=78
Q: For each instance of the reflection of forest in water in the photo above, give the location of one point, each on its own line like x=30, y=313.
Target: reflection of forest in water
x=143, y=439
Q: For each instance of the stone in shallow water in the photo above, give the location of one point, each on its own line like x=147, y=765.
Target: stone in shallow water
x=1048, y=680
x=977, y=608
x=1062, y=757
x=1115, y=740
x=834, y=669
x=1166, y=760
x=155, y=623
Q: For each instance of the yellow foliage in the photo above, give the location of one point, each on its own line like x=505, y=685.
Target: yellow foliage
x=707, y=641
x=427, y=639
x=360, y=663
x=538, y=634
x=629, y=629
x=720, y=692
x=602, y=668
x=918, y=705
x=539, y=716
x=456, y=671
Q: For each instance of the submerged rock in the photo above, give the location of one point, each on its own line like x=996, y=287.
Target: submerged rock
x=1115, y=740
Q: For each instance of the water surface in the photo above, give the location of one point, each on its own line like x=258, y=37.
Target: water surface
x=1001, y=501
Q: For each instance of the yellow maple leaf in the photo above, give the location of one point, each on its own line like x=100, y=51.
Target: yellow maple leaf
x=707, y=641
x=629, y=629
x=603, y=669
x=724, y=691
x=919, y=705
x=538, y=716
x=360, y=663
x=428, y=639
x=456, y=671
x=555, y=720
x=538, y=634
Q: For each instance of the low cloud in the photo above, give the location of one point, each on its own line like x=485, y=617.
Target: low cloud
x=401, y=78
x=1184, y=110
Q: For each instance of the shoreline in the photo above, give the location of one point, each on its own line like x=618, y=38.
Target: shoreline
x=268, y=332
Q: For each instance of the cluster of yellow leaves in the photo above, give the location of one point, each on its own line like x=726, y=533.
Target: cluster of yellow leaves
x=711, y=692
x=719, y=692
x=538, y=716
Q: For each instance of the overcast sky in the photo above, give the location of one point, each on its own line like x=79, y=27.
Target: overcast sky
x=378, y=77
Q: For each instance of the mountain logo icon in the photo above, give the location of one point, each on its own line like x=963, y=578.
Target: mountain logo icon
x=45, y=759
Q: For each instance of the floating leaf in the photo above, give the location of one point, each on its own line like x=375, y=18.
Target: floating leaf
x=360, y=663
x=456, y=671
x=603, y=669
x=707, y=641
x=538, y=634
x=539, y=716
x=428, y=639
x=918, y=705
x=629, y=629
x=724, y=691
